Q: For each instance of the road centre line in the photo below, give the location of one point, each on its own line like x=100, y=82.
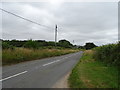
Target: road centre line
x=13, y=76
x=50, y=62
x=55, y=61
x=37, y=67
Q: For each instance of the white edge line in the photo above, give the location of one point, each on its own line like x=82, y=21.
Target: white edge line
x=13, y=76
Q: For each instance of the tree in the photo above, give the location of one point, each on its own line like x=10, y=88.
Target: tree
x=50, y=43
x=81, y=47
x=31, y=44
x=64, y=43
x=5, y=45
x=90, y=45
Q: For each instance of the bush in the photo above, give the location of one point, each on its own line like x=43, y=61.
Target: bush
x=89, y=46
x=31, y=44
x=109, y=54
x=6, y=46
x=65, y=44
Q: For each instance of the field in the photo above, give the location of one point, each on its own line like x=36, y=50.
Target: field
x=17, y=55
x=92, y=73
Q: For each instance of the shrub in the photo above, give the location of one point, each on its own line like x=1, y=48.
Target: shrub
x=31, y=44
x=109, y=54
x=89, y=46
x=64, y=43
x=6, y=46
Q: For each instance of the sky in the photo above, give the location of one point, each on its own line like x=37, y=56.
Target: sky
x=82, y=22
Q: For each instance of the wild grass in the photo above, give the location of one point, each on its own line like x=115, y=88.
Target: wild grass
x=90, y=73
x=17, y=55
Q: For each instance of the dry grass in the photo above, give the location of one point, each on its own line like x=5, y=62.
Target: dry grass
x=23, y=54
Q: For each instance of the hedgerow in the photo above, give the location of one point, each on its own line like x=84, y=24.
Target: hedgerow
x=109, y=54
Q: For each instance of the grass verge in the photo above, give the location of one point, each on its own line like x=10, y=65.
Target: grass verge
x=22, y=54
x=89, y=73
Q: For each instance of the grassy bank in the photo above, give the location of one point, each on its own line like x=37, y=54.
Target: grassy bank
x=91, y=73
x=22, y=54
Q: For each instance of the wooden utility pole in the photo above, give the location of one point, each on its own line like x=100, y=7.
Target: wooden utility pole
x=55, y=35
x=73, y=41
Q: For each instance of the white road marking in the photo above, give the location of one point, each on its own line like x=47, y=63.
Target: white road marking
x=36, y=67
x=13, y=76
x=51, y=62
x=56, y=61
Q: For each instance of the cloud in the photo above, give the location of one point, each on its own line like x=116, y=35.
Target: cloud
x=78, y=21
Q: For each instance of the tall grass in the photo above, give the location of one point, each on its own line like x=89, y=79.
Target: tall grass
x=109, y=54
x=23, y=54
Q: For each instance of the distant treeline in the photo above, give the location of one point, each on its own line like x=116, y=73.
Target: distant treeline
x=42, y=43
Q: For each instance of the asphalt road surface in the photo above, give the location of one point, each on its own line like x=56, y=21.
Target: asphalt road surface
x=42, y=73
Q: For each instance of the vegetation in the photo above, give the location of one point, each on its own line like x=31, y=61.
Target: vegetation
x=16, y=51
x=23, y=54
x=42, y=43
x=90, y=73
x=109, y=54
x=37, y=43
x=89, y=46
x=6, y=46
x=31, y=44
x=65, y=43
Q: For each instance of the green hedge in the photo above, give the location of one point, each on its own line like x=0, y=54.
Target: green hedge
x=109, y=54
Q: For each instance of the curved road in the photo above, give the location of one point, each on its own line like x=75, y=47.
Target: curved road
x=42, y=73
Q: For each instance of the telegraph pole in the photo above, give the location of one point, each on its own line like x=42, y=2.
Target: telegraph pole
x=55, y=35
x=73, y=41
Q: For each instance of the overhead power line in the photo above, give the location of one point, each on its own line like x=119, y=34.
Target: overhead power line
x=25, y=18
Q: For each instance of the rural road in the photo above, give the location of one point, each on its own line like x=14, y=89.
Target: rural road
x=42, y=73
